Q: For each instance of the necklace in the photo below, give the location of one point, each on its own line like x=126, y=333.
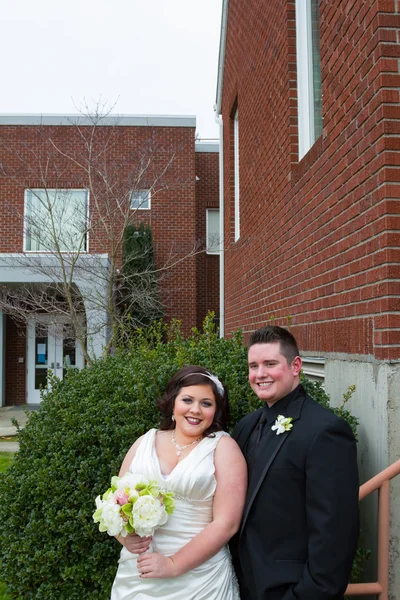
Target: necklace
x=179, y=448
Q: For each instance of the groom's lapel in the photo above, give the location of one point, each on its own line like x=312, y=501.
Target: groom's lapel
x=246, y=429
x=261, y=467
x=255, y=482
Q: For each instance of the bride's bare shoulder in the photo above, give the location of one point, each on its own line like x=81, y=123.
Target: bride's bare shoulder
x=227, y=449
x=129, y=456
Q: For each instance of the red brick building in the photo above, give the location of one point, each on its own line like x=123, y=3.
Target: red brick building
x=309, y=104
x=207, y=226
x=109, y=172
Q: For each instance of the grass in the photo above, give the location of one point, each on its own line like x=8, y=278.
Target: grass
x=6, y=459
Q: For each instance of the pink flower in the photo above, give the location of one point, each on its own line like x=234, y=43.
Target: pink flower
x=121, y=497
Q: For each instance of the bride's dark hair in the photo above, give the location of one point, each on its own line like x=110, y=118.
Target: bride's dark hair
x=194, y=375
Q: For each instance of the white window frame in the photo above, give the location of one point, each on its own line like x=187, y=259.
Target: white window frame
x=236, y=173
x=213, y=239
x=143, y=197
x=29, y=193
x=305, y=79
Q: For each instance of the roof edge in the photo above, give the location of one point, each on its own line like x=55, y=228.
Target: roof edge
x=221, y=56
x=207, y=146
x=109, y=120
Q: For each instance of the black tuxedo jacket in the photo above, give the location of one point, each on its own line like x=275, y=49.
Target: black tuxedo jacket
x=300, y=525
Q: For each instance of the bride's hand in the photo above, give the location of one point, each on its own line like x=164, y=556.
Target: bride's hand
x=152, y=564
x=136, y=544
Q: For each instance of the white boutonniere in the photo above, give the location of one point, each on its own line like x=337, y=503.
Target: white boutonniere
x=282, y=424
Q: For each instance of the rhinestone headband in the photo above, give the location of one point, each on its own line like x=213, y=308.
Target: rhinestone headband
x=213, y=378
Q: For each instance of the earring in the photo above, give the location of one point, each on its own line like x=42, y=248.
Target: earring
x=173, y=418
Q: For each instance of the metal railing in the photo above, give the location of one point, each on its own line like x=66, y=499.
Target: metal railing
x=380, y=482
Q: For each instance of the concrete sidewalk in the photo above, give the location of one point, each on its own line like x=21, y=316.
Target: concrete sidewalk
x=7, y=429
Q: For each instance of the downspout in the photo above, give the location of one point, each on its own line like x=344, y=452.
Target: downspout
x=218, y=119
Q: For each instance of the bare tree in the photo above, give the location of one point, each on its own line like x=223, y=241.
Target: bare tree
x=81, y=194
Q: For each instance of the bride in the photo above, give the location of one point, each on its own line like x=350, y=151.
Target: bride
x=192, y=456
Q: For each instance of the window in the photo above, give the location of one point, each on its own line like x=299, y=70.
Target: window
x=213, y=245
x=309, y=96
x=314, y=368
x=236, y=172
x=56, y=220
x=140, y=199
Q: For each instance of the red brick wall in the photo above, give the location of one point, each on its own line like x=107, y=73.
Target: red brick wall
x=15, y=372
x=320, y=238
x=207, y=196
x=165, y=156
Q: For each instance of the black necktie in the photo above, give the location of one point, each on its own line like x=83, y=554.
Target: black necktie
x=253, y=443
x=259, y=430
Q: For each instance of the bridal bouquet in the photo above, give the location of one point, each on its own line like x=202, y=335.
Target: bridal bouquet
x=133, y=505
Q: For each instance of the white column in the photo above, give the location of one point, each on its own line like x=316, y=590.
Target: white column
x=92, y=282
x=97, y=328
x=2, y=358
x=97, y=320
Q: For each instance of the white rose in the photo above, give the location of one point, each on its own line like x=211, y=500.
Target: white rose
x=148, y=514
x=111, y=519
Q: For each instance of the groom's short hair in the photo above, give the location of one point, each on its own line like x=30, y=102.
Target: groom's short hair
x=271, y=334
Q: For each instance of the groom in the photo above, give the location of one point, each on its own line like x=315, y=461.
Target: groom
x=299, y=530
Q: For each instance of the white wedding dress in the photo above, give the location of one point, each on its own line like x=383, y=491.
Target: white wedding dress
x=193, y=483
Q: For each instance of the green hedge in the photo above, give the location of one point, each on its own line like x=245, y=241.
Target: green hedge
x=69, y=449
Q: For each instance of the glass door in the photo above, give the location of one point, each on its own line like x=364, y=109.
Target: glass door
x=48, y=349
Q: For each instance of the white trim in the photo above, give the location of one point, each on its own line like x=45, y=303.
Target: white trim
x=305, y=79
x=7, y=257
x=110, y=120
x=236, y=173
x=303, y=58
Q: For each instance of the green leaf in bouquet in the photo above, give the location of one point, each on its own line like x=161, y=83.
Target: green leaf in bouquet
x=107, y=494
x=114, y=483
x=169, y=502
x=154, y=489
x=129, y=528
x=127, y=509
x=97, y=515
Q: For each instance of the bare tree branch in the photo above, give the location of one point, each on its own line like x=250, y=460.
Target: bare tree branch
x=78, y=203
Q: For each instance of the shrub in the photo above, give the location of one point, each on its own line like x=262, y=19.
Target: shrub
x=138, y=297
x=316, y=391
x=49, y=546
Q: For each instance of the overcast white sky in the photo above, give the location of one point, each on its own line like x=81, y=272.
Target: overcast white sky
x=147, y=56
